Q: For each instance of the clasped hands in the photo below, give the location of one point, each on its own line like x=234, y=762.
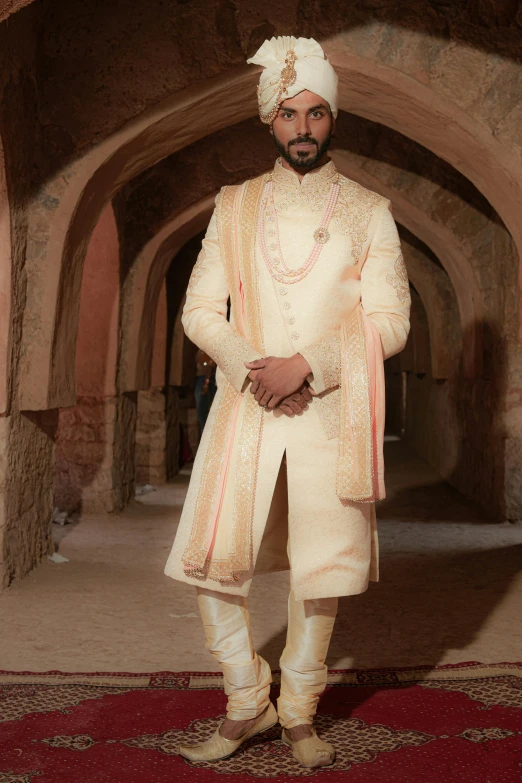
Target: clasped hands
x=278, y=382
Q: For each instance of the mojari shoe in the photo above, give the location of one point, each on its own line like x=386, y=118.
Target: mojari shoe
x=310, y=751
x=219, y=747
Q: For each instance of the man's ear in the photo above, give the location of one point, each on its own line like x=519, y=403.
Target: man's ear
x=271, y=128
x=334, y=123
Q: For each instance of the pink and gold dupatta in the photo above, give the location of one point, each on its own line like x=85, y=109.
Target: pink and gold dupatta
x=360, y=463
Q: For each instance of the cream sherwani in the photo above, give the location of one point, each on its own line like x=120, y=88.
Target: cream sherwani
x=241, y=505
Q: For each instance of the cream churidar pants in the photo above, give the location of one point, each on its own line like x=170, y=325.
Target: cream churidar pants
x=247, y=676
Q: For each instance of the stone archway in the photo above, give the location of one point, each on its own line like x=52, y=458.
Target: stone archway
x=373, y=90
x=95, y=437
x=427, y=281
x=8, y=7
x=141, y=290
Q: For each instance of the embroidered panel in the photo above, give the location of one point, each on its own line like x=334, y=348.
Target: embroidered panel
x=198, y=271
x=353, y=212
x=195, y=555
x=237, y=210
x=311, y=193
x=327, y=353
x=251, y=194
x=328, y=409
x=229, y=350
x=355, y=465
x=225, y=230
x=252, y=426
x=399, y=280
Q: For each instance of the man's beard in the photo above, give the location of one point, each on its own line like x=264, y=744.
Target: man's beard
x=303, y=160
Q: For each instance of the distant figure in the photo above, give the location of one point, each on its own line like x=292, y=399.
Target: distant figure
x=205, y=386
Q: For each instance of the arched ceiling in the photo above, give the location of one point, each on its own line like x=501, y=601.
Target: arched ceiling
x=370, y=89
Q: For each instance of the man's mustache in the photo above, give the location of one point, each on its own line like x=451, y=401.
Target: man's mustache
x=301, y=140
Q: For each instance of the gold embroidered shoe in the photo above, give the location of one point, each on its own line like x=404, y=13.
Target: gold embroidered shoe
x=219, y=747
x=310, y=751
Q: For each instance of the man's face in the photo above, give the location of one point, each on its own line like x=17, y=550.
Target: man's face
x=302, y=129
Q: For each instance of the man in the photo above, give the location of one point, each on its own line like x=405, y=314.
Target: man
x=319, y=296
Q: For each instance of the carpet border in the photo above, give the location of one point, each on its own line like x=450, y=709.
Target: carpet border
x=468, y=670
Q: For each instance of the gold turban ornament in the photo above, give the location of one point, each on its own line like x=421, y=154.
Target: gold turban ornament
x=292, y=65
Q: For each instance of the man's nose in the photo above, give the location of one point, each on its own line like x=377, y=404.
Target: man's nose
x=303, y=126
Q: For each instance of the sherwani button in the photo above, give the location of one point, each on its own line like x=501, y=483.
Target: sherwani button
x=283, y=291
x=291, y=320
x=295, y=335
x=287, y=305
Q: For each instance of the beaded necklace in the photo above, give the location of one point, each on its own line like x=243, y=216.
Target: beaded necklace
x=321, y=237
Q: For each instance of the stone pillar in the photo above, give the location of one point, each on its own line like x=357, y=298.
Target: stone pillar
x=173, y=432
x=95, y=440
x=151, y=438
x=95, y=454
x=123, y=464
x=151, y=429
x=27, y=443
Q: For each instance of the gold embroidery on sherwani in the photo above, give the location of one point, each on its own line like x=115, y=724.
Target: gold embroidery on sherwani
x=196, y=551
x=328, y=405
x=353, y=213
x=355, y=457
x=237, y=209
x=352, y=216
x=311, y=193
x=327, y=353
x=198, y=270
x=399, y=280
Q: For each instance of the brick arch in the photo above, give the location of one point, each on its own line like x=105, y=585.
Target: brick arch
x=374, y=91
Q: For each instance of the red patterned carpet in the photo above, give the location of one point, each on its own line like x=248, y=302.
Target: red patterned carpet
x=450, y=724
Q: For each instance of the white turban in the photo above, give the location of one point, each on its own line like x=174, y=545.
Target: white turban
x=291, y=66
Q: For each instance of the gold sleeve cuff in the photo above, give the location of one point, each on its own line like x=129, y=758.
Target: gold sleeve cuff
x=324, y=358
x=230, y=352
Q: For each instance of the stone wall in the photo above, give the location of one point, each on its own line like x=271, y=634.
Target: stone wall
x=91, y=440
x=26, y=491
x=151, y=438
x=443, y=428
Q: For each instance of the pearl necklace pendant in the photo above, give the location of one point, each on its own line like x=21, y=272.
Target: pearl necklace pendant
x=321, y=235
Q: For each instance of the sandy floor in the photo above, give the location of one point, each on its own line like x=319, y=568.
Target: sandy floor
x=450, y=590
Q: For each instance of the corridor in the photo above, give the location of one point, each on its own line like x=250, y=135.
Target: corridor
x=450, y=590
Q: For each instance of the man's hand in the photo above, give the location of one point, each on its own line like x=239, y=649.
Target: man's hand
x=297, y=402
x=274, y=379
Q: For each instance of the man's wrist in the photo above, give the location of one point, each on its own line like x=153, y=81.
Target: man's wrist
x=302, y=365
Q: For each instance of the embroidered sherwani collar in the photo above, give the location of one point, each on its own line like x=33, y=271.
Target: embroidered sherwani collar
x=312, y=179
x=309, y=192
